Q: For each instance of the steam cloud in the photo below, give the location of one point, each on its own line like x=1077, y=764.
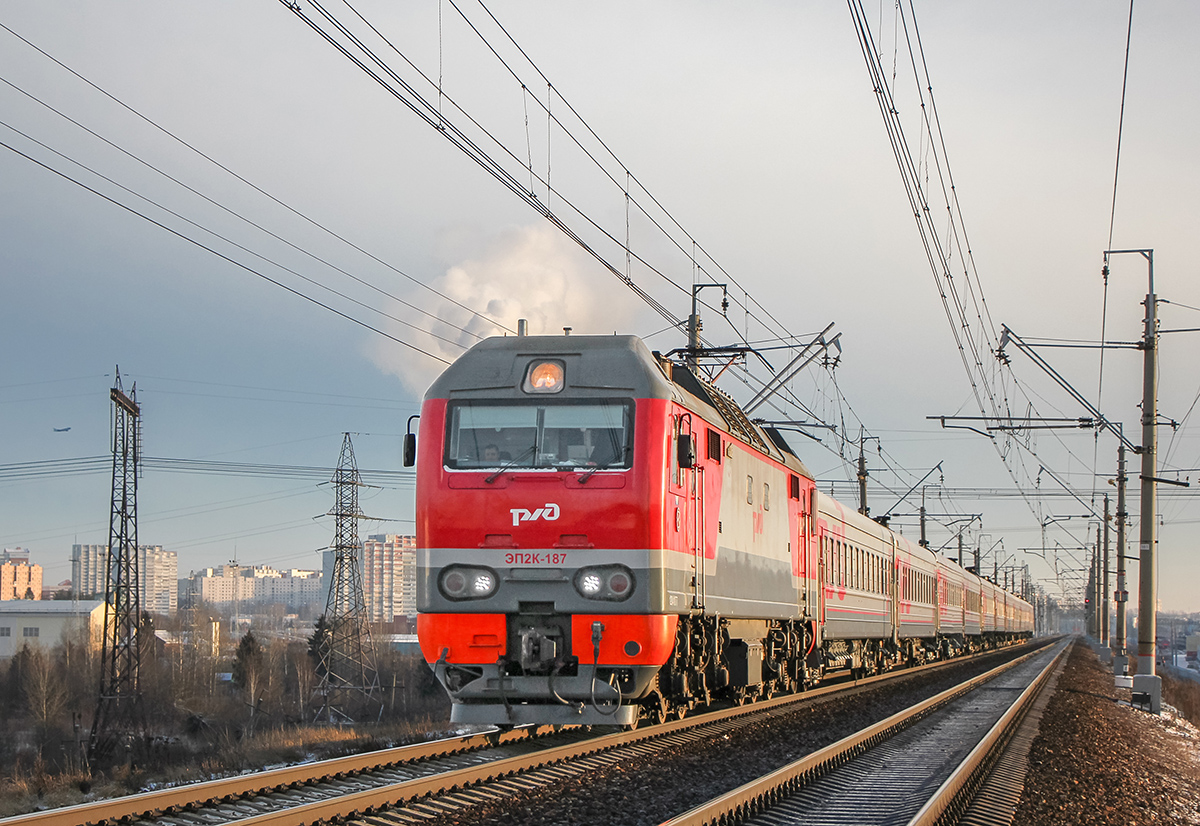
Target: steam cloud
x=530, y=272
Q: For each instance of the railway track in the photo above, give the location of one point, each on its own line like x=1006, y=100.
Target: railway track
x=920, y=767
x=413, y=783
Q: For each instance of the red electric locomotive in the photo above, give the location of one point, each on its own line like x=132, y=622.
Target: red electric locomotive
x=604, y=537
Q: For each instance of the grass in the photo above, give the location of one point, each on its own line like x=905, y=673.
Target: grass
x=1184, y=695
x=32, y=786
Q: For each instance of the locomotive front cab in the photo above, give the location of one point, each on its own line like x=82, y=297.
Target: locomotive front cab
x=540, y=598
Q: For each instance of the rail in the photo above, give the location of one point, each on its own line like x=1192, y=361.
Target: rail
x=151, y=804
x=749, y=799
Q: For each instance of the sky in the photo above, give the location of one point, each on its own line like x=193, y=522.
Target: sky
x=755, y=128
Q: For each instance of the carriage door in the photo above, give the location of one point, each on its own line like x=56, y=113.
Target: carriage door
x=894, y=586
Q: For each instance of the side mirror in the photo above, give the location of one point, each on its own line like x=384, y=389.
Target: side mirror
x=410, y=444
x=686, y=451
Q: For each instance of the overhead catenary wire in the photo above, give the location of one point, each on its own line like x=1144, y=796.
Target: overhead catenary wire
x=1112, y=217
x=992, y=383
x=362, y=55
x=424, y=109
x=721, y=272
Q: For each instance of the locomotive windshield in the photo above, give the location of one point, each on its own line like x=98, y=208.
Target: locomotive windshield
x=558, y=434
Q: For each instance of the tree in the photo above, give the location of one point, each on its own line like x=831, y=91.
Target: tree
x=45, y=696
x=248, y=664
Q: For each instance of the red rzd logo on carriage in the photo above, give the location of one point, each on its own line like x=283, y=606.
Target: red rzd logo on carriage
x=549, y=513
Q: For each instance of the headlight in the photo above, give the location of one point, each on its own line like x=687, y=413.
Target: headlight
x=460, y=582
x=544, y=377
x=590, y=585
x=613, y=583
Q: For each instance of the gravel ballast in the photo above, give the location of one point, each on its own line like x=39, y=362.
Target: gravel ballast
x=1097, y=760
x=649, y=790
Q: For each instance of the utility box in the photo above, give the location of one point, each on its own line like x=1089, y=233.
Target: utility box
x=1147, y=692
x=745, y=662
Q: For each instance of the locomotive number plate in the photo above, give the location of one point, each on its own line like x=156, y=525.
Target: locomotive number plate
x=535, y=559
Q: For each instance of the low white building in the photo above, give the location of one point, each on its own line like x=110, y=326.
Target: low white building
x=42, y=622
x=250, y=585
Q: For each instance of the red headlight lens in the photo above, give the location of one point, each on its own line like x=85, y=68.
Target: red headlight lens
x=619, y=583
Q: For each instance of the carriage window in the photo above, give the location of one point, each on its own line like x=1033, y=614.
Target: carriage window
x=766, y=496
x=547, y=435
x=749, y=490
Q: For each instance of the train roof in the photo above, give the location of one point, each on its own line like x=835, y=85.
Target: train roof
x=495, y=367
x=607, y=365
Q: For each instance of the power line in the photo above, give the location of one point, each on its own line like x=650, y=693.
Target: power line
x=230, y=212
x=236, y=263
x=233, y=243
x=248, y=183
x=98, y=464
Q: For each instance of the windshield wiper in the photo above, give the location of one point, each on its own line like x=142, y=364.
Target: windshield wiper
x=531, y=449
x=604, y=466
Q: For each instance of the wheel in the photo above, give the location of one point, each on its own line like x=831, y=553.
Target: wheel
x=654, y=708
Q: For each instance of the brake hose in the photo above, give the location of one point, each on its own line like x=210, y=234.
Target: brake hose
x=597, y=634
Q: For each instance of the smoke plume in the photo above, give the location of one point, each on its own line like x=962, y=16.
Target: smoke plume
x=530, y=272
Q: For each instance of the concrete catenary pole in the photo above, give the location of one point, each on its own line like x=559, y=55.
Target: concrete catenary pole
x=1147, y=561
x=1105, y=593
x=1122, y=595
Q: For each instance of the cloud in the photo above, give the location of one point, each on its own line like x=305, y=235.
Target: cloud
x=530, y=272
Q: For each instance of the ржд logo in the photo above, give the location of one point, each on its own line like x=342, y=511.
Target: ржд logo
x=549, y=513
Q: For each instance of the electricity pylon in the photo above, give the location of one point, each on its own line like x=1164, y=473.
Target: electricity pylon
x=119, y=712
x=349, y=687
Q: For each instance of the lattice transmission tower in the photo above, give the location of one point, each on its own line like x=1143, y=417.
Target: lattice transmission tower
x=120, y=717
x=349, y=688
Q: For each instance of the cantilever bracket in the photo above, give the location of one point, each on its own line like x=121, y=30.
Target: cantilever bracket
x=945, y=426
